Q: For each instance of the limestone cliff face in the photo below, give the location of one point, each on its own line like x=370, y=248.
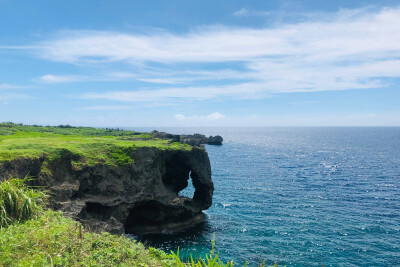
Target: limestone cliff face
x=138, y=198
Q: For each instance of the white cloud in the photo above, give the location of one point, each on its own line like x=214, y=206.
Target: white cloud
x=241, y=12
x=10, y=96
x=19, y=47
x=60, y=78
x=215, y=116
x=160, y=80
x=244, y=90
x=210, y=117
x=368, y=34
x=304, y=103
x=352, y=49
x=361, y=116
x=112, y=76
x=122, y=75
x=7, y=86
x=105, y=108
x=180, y=117
x=159, y=76
x=245, y=12
x=11, y=86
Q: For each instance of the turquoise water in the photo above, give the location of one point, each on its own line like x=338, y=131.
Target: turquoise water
x=301, y=197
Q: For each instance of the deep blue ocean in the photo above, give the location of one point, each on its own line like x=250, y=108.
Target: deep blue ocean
x=300, y=197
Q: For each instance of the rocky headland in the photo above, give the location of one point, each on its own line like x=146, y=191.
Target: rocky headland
x=138, y=195
x=193, y=140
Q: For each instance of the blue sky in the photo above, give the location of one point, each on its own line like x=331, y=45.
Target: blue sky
x=200, y=63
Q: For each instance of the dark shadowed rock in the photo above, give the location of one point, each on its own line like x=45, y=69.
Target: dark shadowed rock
x=193, y=140
x=138, y=198
x=163, y=135
x=215, y=140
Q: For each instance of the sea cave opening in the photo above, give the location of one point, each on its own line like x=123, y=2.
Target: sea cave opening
x=178, y=176
x=189, y=190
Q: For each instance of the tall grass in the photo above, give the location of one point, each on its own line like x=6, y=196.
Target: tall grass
x=18, y=202
x=53, y=240
x=32, y=236
x=212, y=260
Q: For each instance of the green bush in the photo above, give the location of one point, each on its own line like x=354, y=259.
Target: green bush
x=18, y=202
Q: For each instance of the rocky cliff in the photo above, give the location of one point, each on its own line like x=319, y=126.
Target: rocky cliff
x=192, y=139
x=141, y=197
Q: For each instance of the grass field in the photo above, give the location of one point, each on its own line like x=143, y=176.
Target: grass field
x=88, y=145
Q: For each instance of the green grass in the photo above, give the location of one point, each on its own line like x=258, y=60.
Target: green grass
x=46, y=238
x=18, y=203
x=52, y=240
x=31, y=236
x=88, y=146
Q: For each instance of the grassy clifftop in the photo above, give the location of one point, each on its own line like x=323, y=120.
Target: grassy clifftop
x=88, y=146
x=30, y=235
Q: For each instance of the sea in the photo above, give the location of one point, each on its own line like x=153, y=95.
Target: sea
x=301, y=196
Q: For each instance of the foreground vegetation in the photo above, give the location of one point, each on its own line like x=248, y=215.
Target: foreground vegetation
x=88, y=146
x=30, y=235
x=18, y=202
x=52, y=240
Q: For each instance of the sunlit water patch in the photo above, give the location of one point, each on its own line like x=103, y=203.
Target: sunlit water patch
x=300, y=196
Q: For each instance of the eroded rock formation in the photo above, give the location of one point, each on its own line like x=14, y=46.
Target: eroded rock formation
x=193, y=139
x=138, y=198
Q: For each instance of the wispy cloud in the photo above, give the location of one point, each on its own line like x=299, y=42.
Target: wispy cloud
x=244, y=90
x=158, y=76
x=11, y=96
x=241, y=12
x=20, y=47
x=13, y=86
x=105, y=108
x=300, y=103
x=359, y=116
x=245, y=12
x=113, y=76
x=210, y=117
x=349, y=34
x=352, y=49
x=49, y=78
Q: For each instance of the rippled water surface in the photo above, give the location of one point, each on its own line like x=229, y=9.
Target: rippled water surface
x=300, y=196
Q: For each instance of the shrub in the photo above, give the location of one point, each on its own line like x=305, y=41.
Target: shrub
x=18, y=202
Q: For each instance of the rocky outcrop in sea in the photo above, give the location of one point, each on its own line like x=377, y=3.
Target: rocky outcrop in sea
x=193, y=140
